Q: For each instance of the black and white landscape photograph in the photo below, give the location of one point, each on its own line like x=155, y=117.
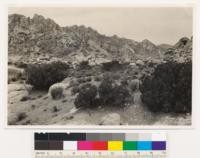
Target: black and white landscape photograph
x=100, y=66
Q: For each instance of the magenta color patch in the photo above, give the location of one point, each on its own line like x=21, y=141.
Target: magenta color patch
x=85, y=145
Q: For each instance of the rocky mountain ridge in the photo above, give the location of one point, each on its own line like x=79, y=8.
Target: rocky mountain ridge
x=41, y=38
x=181, y=52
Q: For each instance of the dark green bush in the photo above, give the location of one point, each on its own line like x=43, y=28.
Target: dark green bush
x=88, y=79
x=112, y=94
x=56, y=92
x=112, y=65
x=97, y=78
x=83, y=65
x=42, y=76
x=86, y=97
x=84, y=79
x=134, y=84
x=168, y=89
x=121, y=96
x=21, y=116
x=105, y=91
x=75, y=90
x=74, y=83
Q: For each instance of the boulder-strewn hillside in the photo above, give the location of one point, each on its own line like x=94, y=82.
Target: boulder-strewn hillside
x=181, y=52
x=38, y=38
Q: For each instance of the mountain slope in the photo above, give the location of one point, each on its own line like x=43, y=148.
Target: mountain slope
x=38, y=38
x=164, y=46
x=181, y=51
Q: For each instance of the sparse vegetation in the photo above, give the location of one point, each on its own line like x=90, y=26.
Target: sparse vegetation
x=25, y=98
x=73, y=83
x=21, y=116
x=84, y=65
x=134, y=84
x=55, y=109
x=14, y=74
x=97, y=78
x=42, y=76
x=75, y=90
x=56, y=91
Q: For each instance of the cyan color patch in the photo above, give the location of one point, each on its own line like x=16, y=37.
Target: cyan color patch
x=144, y=145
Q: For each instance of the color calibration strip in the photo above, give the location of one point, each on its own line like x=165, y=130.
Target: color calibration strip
x=100, y=141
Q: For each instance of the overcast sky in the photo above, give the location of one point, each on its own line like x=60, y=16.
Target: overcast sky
x=159, y=25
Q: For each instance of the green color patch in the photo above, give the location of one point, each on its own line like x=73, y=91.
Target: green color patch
x=129, y=145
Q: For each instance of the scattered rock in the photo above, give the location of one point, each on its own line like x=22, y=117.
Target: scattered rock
x=25, y=98
x=55, y=109
x=21, y=116
x=111, y=119
x=69, y=117
x=139, y=62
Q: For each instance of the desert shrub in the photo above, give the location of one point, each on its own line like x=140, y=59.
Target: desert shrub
x=112, y=65
x=82, y=80
x=14, y=74
x=121, y=95
x=183, y=91
x=112, y=94
x=42, y=76
x=21, y=116
x=168, y=88
x=56, y=90
x=88, y=79
x=105, y=89
x=74, y=83
x=25, y=98
x=86, y=96
x=75, y=90
x=21, y=64
x=116, y=76
x=83, y=65
x=124, y=82
x=97, y=78
x=134, y=84
x=55, y=109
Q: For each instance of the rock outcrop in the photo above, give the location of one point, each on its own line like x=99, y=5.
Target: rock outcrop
x=181, y=52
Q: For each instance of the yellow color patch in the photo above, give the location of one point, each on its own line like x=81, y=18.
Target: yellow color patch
x=115, y=145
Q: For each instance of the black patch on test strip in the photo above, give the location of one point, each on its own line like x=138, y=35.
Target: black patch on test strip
x=41, y=145
x=41, y=136
x=66, y=136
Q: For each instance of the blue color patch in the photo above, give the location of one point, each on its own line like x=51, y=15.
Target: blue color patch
x=144, y=145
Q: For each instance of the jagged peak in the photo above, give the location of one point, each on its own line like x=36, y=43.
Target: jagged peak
x=37, y=16
x=146, y=41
